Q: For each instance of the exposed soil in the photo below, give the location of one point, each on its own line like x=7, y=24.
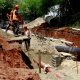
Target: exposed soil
x=14, y=64
x=68, y=68
x=67, y=33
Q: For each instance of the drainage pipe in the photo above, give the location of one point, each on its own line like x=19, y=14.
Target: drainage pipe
x=68, y=49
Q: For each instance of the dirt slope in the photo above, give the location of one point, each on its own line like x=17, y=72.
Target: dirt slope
x=14, y=64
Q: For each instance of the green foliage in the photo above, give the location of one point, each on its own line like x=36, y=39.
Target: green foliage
x=35, y=8
x=4, y=3
x=76, y=24
x=46, y=4
x=5, y=7
x=58, y=1
x=29, y=8
x=1, y=4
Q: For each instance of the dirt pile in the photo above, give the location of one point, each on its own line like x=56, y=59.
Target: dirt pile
x=65, y=32
x=14, y=64
x=12, y=58
x=18, y=74
x=6, y=45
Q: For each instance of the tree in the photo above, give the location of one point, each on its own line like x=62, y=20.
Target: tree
x=5, y=7
x=45, y=5
x=30, y=8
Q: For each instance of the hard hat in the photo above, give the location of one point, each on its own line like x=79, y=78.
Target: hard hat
x=17, y=6
x=25, y=26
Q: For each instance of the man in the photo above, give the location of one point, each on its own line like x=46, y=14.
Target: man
x=27, y=33
x=15, y=19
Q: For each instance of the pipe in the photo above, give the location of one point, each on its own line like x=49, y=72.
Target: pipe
x=68, y=49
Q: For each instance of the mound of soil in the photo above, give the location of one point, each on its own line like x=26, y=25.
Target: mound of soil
x=14, y=64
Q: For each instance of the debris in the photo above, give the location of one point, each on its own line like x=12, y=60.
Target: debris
x=46, y=67
x=57, y=60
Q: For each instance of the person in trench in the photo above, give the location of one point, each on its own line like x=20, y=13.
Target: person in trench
x=27, y=33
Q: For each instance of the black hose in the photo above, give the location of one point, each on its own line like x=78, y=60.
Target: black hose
x=68, y=49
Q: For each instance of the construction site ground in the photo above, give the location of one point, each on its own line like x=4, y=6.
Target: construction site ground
x=69, y=69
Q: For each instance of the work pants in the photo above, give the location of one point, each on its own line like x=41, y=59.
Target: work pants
x=15, y=27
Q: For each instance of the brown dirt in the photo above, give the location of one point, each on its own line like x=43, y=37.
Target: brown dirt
x=14, y=65
x=17, y=65
x=65, y=32
x=69, y=68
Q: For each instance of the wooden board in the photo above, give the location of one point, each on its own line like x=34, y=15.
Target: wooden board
x=20, y=38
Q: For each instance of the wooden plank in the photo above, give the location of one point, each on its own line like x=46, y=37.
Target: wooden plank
x=65, y=54
x=68, y=42
x=39, y=61
x=20, y=38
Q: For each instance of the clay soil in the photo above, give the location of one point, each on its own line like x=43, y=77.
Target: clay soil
x=14, y=65
x=65, y=32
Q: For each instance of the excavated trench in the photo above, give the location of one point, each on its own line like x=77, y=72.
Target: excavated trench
x=14, y=64
x=65, y=32
x=18, y=66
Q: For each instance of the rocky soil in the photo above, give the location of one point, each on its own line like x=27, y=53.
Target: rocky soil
x=68, y=70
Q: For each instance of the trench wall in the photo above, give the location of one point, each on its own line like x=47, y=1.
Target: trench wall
x=65, y=32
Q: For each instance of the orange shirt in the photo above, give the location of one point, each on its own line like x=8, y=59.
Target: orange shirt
x=15, y=17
